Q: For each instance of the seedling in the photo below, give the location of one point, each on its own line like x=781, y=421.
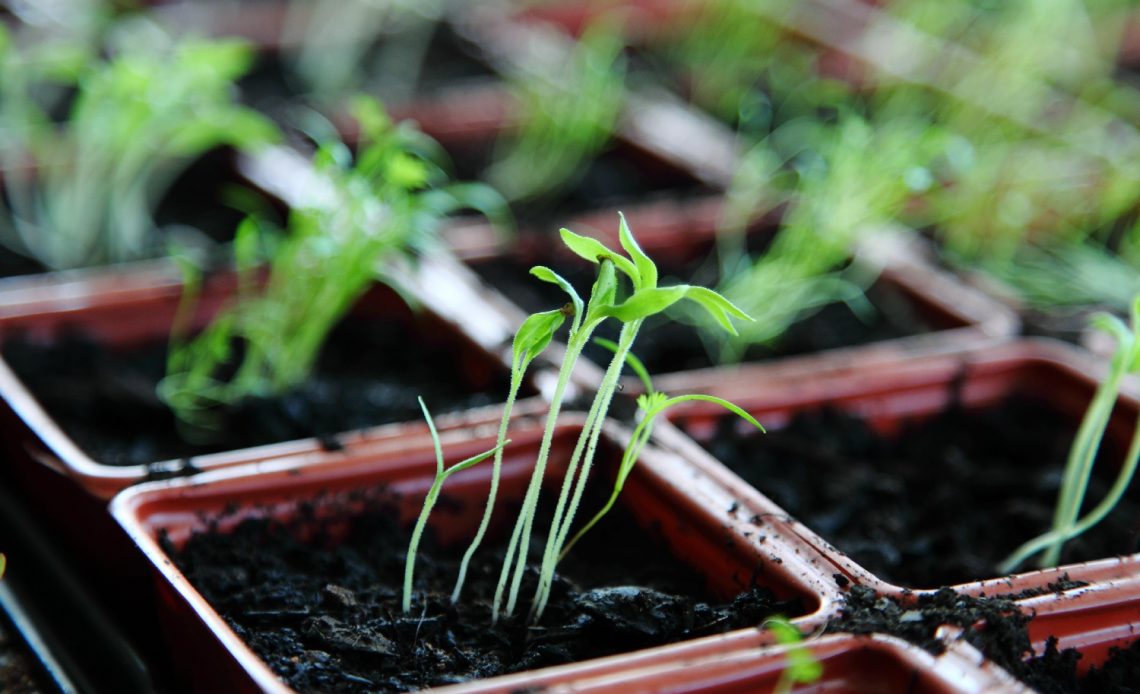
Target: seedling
x=137, y=120
x=1083, y=453
x=376, y=213
x=441, y=475
x=3, y=565
x=560, y=129
x=335, y=37
x=651, y=404
x=803, y=667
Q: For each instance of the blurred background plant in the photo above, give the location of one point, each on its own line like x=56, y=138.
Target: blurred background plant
x=339, y=48
x=89, y=144
x=368, y=216
x=569, y=102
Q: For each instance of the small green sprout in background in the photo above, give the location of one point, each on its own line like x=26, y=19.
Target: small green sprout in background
x=137, y=120
x=568, y=110
x=3, y=565
x=379, y=210
x=334, y=39
x=802, y=667
x=1082, y=455
x=441, y=475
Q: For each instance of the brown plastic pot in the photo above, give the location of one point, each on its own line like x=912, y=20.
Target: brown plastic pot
x=123, y=307
x=854, y=664
x=663, y=493
x=886, y=392
x=1093, y=619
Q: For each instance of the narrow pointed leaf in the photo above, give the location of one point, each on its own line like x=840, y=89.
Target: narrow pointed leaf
x=646, y=302
x=731, y=407
x=717, y=306
x=535, y=334
x=594, y=251
x=474, y=460
x=434, y=437
x=645, y=266
x=547, y=275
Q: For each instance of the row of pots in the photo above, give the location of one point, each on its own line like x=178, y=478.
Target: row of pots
x=676, y=484
x=678, y=487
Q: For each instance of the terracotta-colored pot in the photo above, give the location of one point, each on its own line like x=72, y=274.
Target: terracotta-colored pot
x=127, y=307
x=663, y=492
x=887, y=392
x=850, y=664
x=1093, y=619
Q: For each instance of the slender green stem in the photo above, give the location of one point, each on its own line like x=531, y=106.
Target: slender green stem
x=1080, y=463
x=521, y=534
x=1119, y=487
x=518, y=369
x=564, y=515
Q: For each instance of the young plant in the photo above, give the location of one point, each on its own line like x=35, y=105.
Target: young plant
x=441, y=475
x=82, y=192
x=651, y=404
x=644, y=300
x=802, y=667
x=374, y=214
x=1083, y=453
x=334, y=38
x=561, y=129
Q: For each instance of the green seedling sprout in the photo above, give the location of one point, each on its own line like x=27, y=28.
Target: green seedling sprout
x=803, y=667
x=137, y=119
x=531, y=339
x=334, y=39
x=561, y=131
x=441, y=475
x=1082, y=455
x=644, y=300
x=651, y=404
x=380, y=210
x=3, y=565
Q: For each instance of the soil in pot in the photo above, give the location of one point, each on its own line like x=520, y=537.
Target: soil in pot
x=943, y=502
x=326, y=615
x=996, y=627
x=16, y=669
x=667, y=345
x=370, y=372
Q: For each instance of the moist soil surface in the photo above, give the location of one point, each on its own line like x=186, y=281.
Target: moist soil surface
x=327, y=616
x=996, y=627
x=16, y=670
x=943, y=502
x=370, y=372
x=667, y=346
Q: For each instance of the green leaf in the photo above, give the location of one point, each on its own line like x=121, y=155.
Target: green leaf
x=645, y=303
x=474, y=460
x=604, y=292
x=645, y=266
x=731, y=407
x=718, y=307
x=369, y=113
x=246, y=244
x=434, y=437
x=594, y=251
x=547, y=275
x=535, y=334
x=3, y=565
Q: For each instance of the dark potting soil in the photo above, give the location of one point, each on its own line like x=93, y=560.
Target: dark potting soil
x=327, y=616
x=667, y=346
x=16, y=670
x=370, y=372
x=997, y=628
x=942, y=503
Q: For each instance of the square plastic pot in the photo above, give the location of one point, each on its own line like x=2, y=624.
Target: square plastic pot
x=683, y=506
x=854, y=664
x=887, y=394
x=130, y=306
